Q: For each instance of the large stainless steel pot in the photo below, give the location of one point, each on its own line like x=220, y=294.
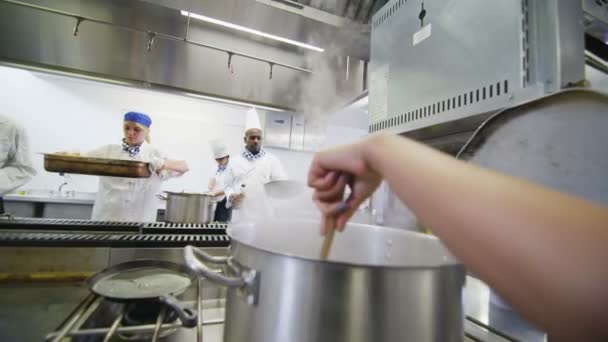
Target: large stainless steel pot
x=379, y=284
x=187, y=207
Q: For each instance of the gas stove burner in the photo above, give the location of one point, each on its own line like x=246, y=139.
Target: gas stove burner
x=146, y=312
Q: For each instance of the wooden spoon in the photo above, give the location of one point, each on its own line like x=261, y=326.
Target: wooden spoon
x=331, y=226
x=329, y=237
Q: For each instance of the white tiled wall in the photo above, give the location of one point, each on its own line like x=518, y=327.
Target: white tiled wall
x=61, y=113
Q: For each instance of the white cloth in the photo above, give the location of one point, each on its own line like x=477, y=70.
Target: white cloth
x=253, y=174
x=129, y=199
x=220, y=181
x=15, y=163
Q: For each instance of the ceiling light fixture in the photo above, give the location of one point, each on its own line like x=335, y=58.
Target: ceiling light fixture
x=249, y=30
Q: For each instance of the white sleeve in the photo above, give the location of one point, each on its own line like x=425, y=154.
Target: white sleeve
x=157, y=160
x=18, y=169
x=220, y=183
x=234, y=179
x=230, y=186
x=100, y=152
x=277, y=172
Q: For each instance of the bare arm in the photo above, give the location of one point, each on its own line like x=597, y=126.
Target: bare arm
x=544, y=251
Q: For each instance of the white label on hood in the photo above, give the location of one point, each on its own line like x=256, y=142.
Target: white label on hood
x=422, y=34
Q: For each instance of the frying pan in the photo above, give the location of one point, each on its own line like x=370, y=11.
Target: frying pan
x=146, y=280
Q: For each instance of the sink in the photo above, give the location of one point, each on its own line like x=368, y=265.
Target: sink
x=50, y=203
x=62, y=194
x=70, y=194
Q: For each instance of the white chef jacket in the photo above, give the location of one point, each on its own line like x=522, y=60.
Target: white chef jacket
x=220, y=181
x=129, y=199
x=15, y=164
x=253, y=174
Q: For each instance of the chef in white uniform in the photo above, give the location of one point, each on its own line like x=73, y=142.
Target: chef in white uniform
x=133, y=199
x=217, y=184
x=251, y=170
x=15, y=164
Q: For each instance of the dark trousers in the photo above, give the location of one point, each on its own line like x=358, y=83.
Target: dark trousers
x=222, y=214
x=1, y=205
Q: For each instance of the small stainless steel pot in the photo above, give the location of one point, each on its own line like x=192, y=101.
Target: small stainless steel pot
x=187, y=207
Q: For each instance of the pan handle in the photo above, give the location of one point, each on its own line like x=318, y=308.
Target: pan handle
x=188, y=317
x=248, y=281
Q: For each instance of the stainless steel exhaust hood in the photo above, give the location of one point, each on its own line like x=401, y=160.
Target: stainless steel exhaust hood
x=146, y=44
x=439, y=70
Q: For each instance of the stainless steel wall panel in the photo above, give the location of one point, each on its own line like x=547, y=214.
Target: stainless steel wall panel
x=277, y=131
x=298, y=124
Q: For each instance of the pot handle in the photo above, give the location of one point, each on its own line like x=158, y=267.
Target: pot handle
x=248, y=280
x=188, y=317
x=161, y=197
x=191, y=255
x=212, y=259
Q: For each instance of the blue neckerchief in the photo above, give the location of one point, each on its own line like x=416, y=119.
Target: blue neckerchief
x=132, y=150
x=221, y=169
x=251, y=157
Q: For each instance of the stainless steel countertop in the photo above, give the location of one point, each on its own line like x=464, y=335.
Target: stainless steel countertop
x=68, y=197
x=42, y=199
x=482, y=304
x=46, y=196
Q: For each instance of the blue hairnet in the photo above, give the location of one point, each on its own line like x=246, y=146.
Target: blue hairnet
x=140, y=118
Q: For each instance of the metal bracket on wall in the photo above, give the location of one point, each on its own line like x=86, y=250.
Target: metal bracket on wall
x=230, y=54
x=81, y=18
x=187, y=28
x=151, y=36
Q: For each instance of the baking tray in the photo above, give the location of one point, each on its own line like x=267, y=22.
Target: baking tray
x=96, y=166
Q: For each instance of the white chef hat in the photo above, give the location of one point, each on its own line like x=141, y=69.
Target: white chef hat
x=219, y=148
x=252, y=120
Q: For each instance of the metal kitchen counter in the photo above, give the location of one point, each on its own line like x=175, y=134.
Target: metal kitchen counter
x=479, y=306
x=78, y=198
x=49, y=204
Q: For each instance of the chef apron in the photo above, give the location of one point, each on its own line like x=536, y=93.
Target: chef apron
x=222, y=214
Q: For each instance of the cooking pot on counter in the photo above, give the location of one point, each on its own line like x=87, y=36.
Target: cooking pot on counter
x=379, y=284
x=188, y=207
